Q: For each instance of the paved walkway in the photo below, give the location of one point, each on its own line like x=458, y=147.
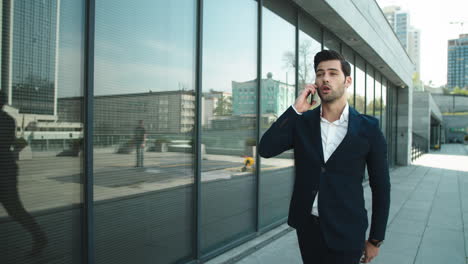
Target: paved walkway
x=428, y=218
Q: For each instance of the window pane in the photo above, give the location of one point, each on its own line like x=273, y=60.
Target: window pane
x=330, y=42
x=230, y=114
x=309, y=45
x=278, y=93
x=370, y=100
x=40, y=147
x=378, y=98
x=360, y=85
x=349, y=57
x=384, y=106
x=144, y=115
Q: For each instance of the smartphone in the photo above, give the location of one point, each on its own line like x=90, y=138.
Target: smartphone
x=312, y=97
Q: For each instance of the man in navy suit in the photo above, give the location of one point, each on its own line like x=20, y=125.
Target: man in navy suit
x=332, y=146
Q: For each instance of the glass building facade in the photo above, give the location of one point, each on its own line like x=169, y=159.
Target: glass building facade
x=457, y=62
x=137, y=124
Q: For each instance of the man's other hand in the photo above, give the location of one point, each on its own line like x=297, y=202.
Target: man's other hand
x=370, y=252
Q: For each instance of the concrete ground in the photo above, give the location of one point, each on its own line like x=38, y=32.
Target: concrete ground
x=428, y=217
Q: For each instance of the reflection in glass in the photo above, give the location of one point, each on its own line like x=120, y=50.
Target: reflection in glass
x=384, y=106
x=360, y=85
x=330, y=42
x=308, y=47
x=378, y=98
x=349, y=57
x=40, y=161
x=144, y=117
x=278, y=93
x=229, y=114
x=370, y=100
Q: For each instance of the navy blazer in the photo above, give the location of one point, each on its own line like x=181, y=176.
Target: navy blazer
x=343, y=216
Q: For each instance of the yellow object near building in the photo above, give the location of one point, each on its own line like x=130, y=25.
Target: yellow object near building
x=248, y=162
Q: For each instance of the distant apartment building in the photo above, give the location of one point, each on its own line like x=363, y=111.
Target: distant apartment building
x=409, y=36
x=414, y=42
x=161, y=112
x=457, y=64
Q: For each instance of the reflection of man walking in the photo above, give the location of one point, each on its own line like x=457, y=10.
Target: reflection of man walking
x=9, y=196
x=140, y=138
x=332, y=146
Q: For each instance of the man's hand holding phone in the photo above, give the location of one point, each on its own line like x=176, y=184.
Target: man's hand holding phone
x=301, y=104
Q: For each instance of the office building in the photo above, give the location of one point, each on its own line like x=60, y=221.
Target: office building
x=457, y=63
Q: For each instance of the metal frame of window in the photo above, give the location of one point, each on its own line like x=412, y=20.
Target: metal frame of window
x=259, y=110
x=88, y=178
x=198, y=158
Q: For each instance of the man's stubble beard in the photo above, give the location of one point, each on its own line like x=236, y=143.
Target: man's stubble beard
x=332, y=96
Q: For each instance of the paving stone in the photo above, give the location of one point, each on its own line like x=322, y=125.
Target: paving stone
x=427, y=220
x=409, y=227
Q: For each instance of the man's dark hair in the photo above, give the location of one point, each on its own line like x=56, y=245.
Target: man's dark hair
x=3, y=99
x=326, y=55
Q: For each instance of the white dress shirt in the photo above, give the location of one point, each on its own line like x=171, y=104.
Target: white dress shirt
x=332, y=134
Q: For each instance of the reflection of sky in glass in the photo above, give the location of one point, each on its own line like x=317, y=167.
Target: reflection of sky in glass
x=144, y=46
x=360, y=75
x=138, y=47
x=233, y=56
x=151, y=46
x=278, y=38
x=70, y=68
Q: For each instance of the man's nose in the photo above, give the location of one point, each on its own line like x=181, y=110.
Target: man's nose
x=326, y=78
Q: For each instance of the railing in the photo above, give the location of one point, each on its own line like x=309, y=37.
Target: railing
x=418, y=147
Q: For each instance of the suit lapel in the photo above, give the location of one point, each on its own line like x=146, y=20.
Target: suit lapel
x=314, y=123
x=353, y=128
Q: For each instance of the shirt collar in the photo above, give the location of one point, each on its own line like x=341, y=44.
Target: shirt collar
x=344, y=115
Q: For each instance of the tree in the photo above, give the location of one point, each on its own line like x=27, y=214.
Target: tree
x=360, y=102
x=459, y=91
x=223, y=106
x=305, y=70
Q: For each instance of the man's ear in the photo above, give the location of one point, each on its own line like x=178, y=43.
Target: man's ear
x=348, y=81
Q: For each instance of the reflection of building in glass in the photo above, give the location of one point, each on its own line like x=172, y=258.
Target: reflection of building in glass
x=43, y=132
x=276, y=96
x=213, y=104
x=161, y=112
x=458, y=62
x=30, y=55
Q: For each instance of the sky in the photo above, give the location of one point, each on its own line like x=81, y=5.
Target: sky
x=433, y=19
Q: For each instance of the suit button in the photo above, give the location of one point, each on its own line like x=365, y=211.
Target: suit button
x=323, y=169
